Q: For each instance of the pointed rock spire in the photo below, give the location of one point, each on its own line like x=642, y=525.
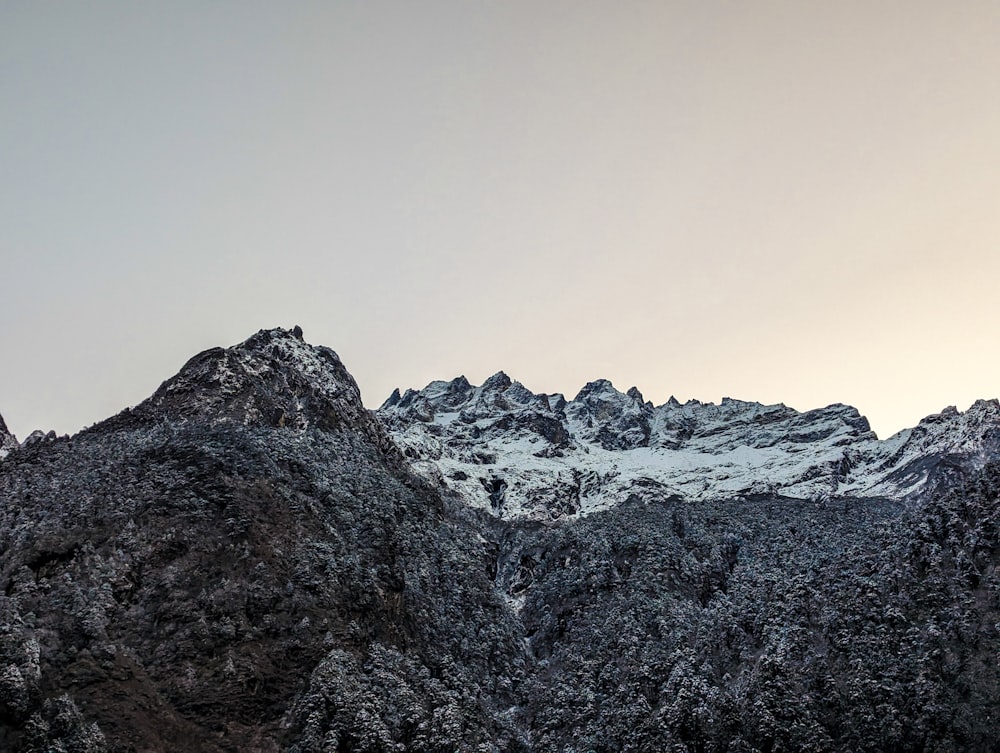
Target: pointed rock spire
x=392, y=400
x=8, y=442
x=497, y=383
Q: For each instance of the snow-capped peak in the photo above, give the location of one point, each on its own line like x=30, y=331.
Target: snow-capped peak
x=517, y=453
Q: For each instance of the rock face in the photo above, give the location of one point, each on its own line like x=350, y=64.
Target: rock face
x=247, y=561
x=8, y=442
x=517, y=454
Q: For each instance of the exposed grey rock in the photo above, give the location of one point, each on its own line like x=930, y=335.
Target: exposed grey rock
x=38, y=436
x=8, y=442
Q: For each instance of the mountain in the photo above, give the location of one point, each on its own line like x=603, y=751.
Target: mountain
x=515, y=453
x=243, y=562
x=249, y=560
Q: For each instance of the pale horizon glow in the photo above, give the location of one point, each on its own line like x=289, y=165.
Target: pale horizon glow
x=780, y=202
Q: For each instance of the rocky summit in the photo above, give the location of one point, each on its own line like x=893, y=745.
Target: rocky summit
x=250, y=560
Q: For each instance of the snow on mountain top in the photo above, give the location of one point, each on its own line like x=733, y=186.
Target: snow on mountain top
x=273, y=377
x=517, y=453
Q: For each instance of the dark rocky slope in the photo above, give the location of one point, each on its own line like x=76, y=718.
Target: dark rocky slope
x=245, y=562
x=242, y=563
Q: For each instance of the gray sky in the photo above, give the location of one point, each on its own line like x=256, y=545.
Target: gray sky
x=787, y=202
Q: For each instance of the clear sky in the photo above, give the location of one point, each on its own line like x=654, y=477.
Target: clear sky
x=788, y=202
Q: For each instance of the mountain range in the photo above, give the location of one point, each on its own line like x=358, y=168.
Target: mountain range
x=517, y=453
x=250, y=560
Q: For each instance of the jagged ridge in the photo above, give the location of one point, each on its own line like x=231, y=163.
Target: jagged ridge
x=517, y=453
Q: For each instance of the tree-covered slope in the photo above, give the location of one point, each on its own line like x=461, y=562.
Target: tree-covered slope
x=173, y=581
x=766, y=625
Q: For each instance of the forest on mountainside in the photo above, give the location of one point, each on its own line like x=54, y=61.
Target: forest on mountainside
x=238, y=595
x=767, y=625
